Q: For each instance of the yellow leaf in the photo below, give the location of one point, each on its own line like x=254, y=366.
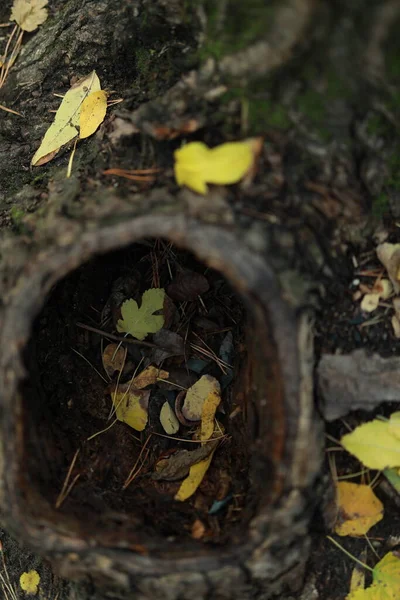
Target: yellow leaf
x=201, y=402
x=93, y=111
x=29, y=582
x=66, y=121
x=131, y=407
x=374, y=445
x=394, y=424
x=196, y=164
x=194, y=479
x=168, y=419
x=141, y=321
x=387, y=576
x=29, y=14
x=359, y=509
x=371, y=593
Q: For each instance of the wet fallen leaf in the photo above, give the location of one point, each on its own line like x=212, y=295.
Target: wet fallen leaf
x=171, y=344
x=29, y=582
x=139, y=322
x=194, y=479
x=359, y=509
x=148, y=376
x=389, y=255
x=93, y=111
x=374, y=445
x=113, y=358
x=131, y=406
x=168, y=419
x=178, y=464
x=29, y=14
x=187, y=286
x=66, y=121
x=196, y=164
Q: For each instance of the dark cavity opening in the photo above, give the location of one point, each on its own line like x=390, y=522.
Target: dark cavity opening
x=67, y=400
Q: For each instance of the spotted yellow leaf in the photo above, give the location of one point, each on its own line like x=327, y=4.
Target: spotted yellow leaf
x=359, y=509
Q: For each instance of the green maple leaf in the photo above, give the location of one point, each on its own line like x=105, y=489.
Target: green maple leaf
x=141, y=321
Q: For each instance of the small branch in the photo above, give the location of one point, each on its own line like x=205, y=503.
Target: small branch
x=117, y=338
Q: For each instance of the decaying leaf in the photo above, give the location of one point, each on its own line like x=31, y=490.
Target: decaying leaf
x=131, y=406
x=374, y=445
x=29, y=582
x=93, y=111
x=113, y=358
x=171, y=344
x=196, y=164
x=178, y=465
x=29, y=14
x=206, y=386
x=194, y=479
x=168, y=419
x=148, y=376
x=187, y=286
x=66, y=121
x=139, y=322
x=359, y=509
x=389, y=255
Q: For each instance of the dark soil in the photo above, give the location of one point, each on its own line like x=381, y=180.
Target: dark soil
x=72, y=402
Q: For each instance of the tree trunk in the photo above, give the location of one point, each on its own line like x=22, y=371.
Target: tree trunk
x=309, y=76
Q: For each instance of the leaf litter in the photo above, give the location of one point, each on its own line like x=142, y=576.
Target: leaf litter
x=132, y=423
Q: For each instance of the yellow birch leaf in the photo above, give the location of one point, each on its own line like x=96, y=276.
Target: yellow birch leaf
x=66, y=121
x=196, y=164
x=359, y=509
x=29, y=14
x=29, y=582
x=374, y=445
x=93, y=111
x=194, y=479
x=386, y=577
x=131, y=407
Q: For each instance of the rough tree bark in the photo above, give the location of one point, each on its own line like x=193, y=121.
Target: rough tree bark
x=317, y=79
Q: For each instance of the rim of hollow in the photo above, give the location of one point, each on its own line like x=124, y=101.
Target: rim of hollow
x=250, y=277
